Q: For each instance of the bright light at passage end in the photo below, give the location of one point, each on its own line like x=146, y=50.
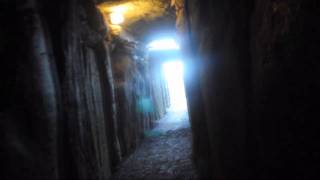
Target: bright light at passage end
x=173, y=72
x=163, y=44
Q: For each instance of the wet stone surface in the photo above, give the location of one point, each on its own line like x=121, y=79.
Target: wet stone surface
x=164, y=154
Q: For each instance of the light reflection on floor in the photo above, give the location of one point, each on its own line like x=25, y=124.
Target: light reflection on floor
x=172, y=121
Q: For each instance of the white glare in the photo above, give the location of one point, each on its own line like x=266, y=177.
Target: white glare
x=173, y=72
x=116, y=18
x=163, y=44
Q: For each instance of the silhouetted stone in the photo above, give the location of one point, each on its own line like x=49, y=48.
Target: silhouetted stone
x=252, y=82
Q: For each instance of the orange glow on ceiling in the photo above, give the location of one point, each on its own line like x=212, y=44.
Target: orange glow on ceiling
x=133, y=10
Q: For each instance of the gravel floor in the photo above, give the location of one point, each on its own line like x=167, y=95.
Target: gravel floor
x=164, y=154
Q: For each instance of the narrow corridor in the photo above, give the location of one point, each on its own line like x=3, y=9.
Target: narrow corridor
x=164, y=154
x=85, y=87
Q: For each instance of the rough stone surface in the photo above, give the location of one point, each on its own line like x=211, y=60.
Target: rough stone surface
x=252, y=86
x=58, y=110
x=165, y=154
x=217, y=64
x=57, y=105
x=140, y=98
x=285, y=71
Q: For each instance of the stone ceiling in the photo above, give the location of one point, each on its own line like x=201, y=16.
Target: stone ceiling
x=143, y=18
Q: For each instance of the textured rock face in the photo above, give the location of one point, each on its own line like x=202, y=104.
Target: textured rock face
x=139, y=102
x=252, y=83
x=60, y=121
x=252, y=87
x=58, y=105
x=29, y=117
x=217, y=65
x=285, y=71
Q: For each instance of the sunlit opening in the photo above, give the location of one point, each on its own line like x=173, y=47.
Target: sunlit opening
x=173, y=72
x=163, y=44
x=116, y=18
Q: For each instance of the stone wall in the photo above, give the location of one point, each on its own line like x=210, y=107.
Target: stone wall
x=159, y=86
x=285, y=84
x=138, y=96
x=57, y=107
x=252, y=78
x=63, y=114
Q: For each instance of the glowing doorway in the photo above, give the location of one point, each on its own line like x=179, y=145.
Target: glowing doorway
x=173, y=73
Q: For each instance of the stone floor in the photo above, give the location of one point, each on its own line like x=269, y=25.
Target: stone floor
x=164, y=154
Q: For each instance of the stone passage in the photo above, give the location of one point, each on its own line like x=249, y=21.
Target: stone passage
x=164, y=154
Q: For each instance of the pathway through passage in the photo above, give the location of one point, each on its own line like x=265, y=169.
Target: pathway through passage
x=164, y=154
